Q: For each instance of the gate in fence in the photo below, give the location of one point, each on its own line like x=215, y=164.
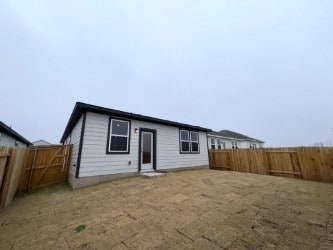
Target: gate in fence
x=45, y=166
x=23, y=169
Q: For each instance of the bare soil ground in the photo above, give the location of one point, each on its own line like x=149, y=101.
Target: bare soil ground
x=201, y=209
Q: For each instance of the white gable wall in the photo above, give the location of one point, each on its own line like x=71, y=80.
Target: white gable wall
x=7, y=140
x=95, y=161
x=74, y=138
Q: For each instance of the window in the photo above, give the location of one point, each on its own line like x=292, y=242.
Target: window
x=219, y=144
x=194, y=142
x=234, y=144
x=212, y=143
x=253, y=145
x=189, y=142
x=184, y=141
x=118, y=141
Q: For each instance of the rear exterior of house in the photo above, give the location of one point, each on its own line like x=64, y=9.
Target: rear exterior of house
x=10, y=138
x=226, y=139
x=109, y=144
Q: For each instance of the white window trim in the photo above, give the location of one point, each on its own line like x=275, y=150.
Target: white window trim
x=197, y=141
x=219, y=144
x=212, y=144
x=189, y=141
x=181, y=140
x=127, y=136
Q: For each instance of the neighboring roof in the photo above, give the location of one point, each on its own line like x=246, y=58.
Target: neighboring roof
x=233, y=135
x=81, y=108
x=41, y=143
x=9, y=131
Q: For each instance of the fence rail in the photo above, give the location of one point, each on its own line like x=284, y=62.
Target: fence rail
x=309, y=163
x=22, y=169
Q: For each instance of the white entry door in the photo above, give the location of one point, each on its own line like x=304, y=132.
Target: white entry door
x=146, y=151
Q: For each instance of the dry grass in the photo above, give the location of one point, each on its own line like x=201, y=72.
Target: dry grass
x=202, y=209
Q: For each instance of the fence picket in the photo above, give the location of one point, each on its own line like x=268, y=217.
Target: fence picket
x=309, y=163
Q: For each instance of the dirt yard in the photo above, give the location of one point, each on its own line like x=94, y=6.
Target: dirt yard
x=201, y=209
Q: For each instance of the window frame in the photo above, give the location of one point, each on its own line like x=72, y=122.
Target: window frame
x=219, y=143
x=192, y=141
x=189, y=141
x=212, y=144
x=181, y=140
x=108, y=144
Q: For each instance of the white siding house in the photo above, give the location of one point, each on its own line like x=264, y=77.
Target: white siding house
x=9, y=137
x=109, y=144
x=41, y=143
x=225, y=139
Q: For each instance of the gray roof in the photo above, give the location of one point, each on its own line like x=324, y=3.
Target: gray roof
x=233, y=135
x=41, y=143
x=9, y=131
x=81, y=108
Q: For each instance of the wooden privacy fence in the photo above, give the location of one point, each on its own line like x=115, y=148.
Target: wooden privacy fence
x=22, y=169
x=309, y=163
x=44, y=166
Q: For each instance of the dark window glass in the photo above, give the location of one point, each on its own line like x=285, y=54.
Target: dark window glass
x=118, y=143
x=119, y=127
x=195, y=147
x=213, y=146
x=184, y=135
x=146, y=148
x=219, y=146
x=194, y=136
x=185, y=146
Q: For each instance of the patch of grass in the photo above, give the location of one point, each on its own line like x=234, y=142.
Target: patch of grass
x=80, y=228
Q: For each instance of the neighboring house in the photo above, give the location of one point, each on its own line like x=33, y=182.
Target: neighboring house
x=41, y=143
x=109, y=143
x=228, y=139
x=9, y=137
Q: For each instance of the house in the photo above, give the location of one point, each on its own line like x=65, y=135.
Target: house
x=109, y=144
x=41, y=143
x=9, y=137
x=228, y=139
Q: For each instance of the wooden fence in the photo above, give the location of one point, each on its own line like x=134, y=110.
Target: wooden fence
x=309, y=163
x=22, y=169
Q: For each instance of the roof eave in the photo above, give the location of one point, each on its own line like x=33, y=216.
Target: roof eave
x=14, y=134
x=232, y=138
x=81, y=108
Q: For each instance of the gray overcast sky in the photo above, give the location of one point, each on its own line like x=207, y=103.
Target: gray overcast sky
x=262, y=68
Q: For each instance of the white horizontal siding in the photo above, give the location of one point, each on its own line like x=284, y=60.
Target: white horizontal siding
x=7, y=140
x=228, y=142
x=74, y=138
x=95, y=161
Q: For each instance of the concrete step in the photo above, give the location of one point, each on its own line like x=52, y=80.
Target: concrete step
x=152, y=174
